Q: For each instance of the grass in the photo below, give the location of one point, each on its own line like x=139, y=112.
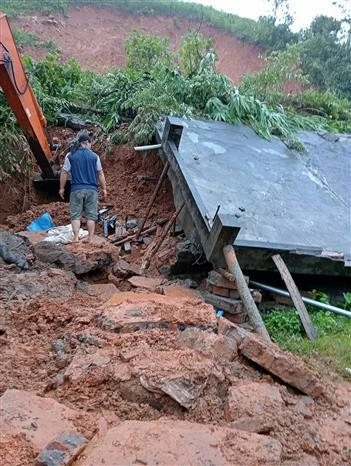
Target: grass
x=330, y=353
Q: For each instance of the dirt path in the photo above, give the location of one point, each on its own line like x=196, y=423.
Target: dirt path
x=96, y=36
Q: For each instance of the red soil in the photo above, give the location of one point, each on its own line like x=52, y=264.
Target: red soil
x=96, y=37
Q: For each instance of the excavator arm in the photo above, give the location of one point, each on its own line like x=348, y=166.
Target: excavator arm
x=19, y=94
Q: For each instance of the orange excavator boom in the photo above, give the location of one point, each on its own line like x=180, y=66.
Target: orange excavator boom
x=19, y=94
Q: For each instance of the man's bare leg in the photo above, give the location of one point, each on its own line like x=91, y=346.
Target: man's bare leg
x=91, y=230
x=75, y=229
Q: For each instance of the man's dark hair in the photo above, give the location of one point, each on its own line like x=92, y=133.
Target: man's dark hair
x=84, y=138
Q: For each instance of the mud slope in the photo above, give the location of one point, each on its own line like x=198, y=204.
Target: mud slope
x=96, y=36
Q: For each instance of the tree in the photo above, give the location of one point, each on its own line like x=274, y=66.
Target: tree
x=145, y=51
x=196, y=51
x=344, y=7
x=281, y=11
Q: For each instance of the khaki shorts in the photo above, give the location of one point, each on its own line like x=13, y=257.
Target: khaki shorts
x=84, y=201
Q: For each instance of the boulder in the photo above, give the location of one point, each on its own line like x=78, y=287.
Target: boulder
x=49, y=283
x=79, y=258
x=130, y=312
x=251, y=400
x=282, y=364
x=290, y=369
x=216, y=346
x=180, y=443
x=39, y=419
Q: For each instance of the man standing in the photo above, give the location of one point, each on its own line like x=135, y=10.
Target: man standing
x=86, y=173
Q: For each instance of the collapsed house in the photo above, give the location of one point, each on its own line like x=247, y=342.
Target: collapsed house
x=262, y=197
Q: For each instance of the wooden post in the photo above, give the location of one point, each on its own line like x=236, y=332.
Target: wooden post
x=158, y=242
x=245, y=295
x=295, y=296
x=153, y=197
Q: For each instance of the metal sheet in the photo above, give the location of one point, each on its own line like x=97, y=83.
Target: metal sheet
x=280, y=198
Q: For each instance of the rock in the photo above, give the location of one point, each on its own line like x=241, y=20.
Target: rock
x=230, y=330
x=252, y=399
x=180, y=443
x=187, y=255
x=145, y=282
x=130, y=312
x=303, y=460
x=301, y=408
x=80, y=258
x=257, y=424
x=103, y=291
x=39, y=419
x=82, y=362
x=62, y=451
x=123, y=269
x=217, y=280
x=177, y=291
x=182, y=390
x=50, y=283
x=217, y=346
x=284, y=365
x=132, y=223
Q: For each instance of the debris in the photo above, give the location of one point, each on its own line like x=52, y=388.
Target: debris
x=44, y=222
x=145, y=282
x=287, y=367
x=153, y=197
x=63, y=234
x=127, y=247
x=39, y=419
x=62, y=451
x=132, y=223
x=253, y=399
x=76, y=257
x=216, y=279
x=130, y=312
x=158, y=242
x=216, y=346
x=233, y=306
x=103, y=291
x=183, y=391
x=124, y=269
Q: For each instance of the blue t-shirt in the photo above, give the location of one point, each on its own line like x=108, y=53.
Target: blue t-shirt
x=84, y=166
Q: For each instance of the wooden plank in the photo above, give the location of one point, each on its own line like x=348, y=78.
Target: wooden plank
x=233, y=306
x=295, y=296
x=245, y=294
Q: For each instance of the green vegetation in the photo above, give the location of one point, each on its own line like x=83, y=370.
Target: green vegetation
x=24, y=38
x=158, y=82
x=330, y=351
x=325, y=51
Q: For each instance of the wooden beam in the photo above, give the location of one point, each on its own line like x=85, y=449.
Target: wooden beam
x=244, y=291
x=295, y=296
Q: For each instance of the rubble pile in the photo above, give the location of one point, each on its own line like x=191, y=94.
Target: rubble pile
x=139, y=377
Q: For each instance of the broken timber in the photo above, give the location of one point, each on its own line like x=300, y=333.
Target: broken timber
x=244, y=291
x=295, y=296
x=153, y=197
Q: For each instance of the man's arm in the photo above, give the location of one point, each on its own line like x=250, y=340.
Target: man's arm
x=63, y=180
x=102, y=182
x=64, y=175
x=101, y=176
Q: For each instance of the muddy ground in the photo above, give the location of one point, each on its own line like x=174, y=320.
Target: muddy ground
x=138, y=369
